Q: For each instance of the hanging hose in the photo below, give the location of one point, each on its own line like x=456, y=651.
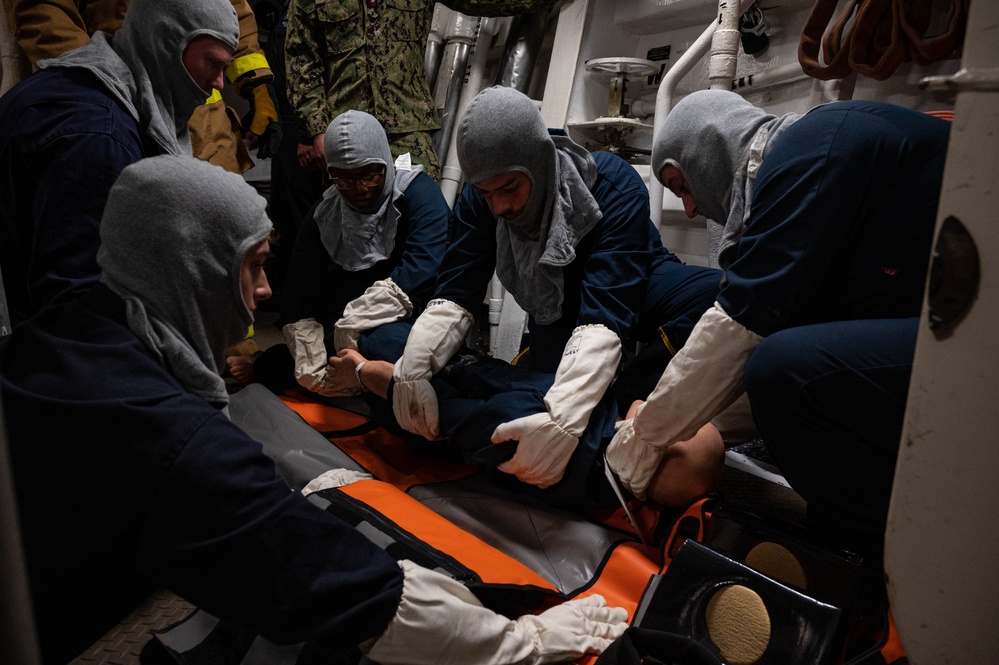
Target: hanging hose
x=874, y=37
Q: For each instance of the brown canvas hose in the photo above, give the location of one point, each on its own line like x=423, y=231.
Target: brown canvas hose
x=873, y=37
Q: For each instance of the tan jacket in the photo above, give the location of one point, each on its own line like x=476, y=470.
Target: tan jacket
x=46, y=30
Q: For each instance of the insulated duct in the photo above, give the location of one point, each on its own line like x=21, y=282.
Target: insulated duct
x=451, y=170
x=523, y=45
x=460, y=35
x=435, y=44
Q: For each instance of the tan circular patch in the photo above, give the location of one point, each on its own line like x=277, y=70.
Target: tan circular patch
x=776, y=561
x=738, y=624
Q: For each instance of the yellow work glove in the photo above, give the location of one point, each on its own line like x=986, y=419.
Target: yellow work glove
x=262, y=120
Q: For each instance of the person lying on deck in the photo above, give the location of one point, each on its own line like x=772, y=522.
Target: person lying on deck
x=478, y=396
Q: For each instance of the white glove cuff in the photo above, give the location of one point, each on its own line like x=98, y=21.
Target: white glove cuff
x=436, y=336
x=699, y=382
x=304, y=339
x=589, y=364
x=414, y=404
x=335, y=478
x=381, y=303
x=401, y=296
x=632, y=460
x=440, y=621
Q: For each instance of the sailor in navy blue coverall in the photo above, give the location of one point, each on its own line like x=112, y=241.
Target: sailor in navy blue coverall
x=67, y=131
x=129, y=474
x=621, y=277
x=824, y=279
x=366, y=256
x=568, y=233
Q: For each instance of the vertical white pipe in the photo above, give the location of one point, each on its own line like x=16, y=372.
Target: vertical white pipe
x=664, y=99
x=725, y=43
x=460, y=36
x=664, y=103
x=435, y=43
x=451, y=170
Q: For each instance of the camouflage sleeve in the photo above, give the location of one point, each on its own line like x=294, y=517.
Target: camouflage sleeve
x=249, y=65
x=304, y=62
x=498, y=7
x=46, y=29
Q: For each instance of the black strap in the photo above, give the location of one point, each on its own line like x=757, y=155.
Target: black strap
x=642, y=646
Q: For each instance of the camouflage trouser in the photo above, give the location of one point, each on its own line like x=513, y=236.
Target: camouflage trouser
x=420, y=147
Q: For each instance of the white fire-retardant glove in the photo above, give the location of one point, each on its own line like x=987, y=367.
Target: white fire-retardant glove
x=436, y=336
x=334, y=478
x=698, y=384
x=382, y=302
x=305, y=342
x=439, y=621
x=547, y=440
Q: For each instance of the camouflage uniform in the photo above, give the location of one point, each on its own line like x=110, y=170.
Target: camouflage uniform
x=48, y=29
x=368, y=55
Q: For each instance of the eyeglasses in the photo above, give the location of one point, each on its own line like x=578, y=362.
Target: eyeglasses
x=365, y=181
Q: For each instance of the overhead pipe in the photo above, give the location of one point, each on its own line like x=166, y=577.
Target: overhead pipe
x=769, y=78
x=521, y=55
x=435, y=44
x=460, y=35
x=451, y=170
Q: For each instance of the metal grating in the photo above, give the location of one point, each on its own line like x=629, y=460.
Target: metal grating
x=123, y=644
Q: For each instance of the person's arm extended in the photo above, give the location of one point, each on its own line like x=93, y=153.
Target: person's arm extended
x=374, y=376
x=440, y=330
x=251, y=76
x=230, y=536
x=470, y=259
x=702, y=380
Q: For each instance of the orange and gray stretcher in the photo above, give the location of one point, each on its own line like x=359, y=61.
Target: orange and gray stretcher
x=519, y=555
